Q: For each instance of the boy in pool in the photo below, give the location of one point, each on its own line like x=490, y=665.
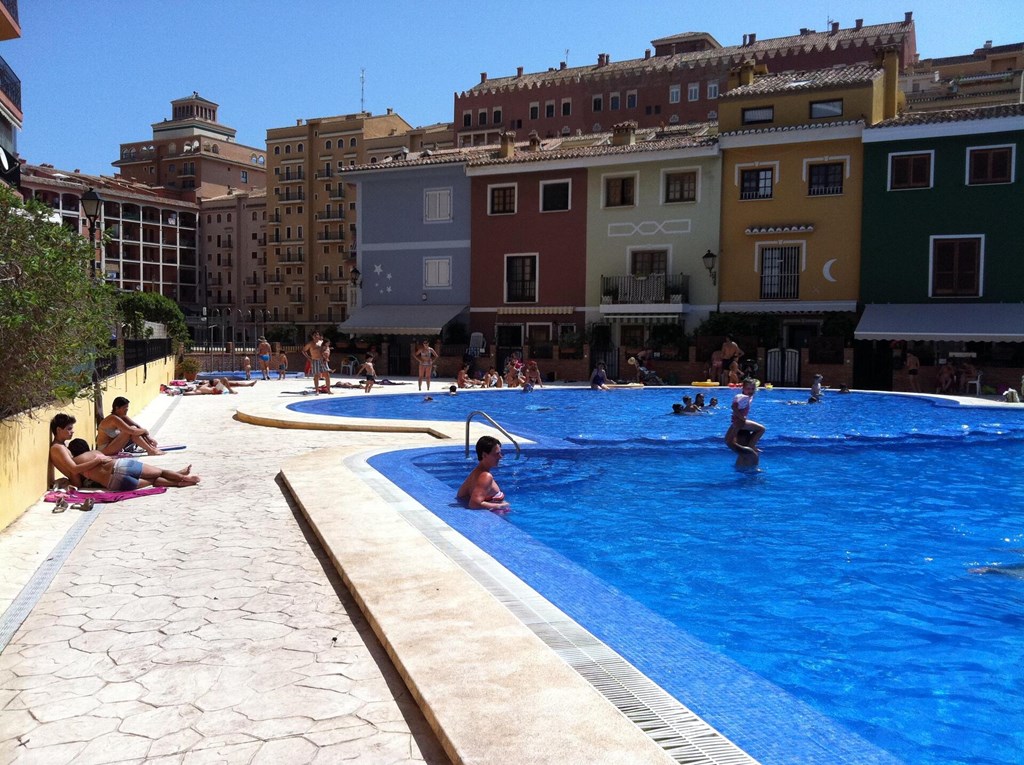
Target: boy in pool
x=480, y=491
x=747, y=452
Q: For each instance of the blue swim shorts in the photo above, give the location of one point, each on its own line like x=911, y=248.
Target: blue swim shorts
x=125, y=476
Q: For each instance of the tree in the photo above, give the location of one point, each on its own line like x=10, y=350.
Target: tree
x=139, y=307
x=55, y=320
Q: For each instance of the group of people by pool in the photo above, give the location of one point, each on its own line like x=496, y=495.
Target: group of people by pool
x=108, y=466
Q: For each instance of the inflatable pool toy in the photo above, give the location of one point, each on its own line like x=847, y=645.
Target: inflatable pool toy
x=768, y=386
x=625, y=385
x=704, y=384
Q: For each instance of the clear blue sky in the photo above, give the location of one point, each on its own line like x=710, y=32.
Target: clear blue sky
x=96, y=73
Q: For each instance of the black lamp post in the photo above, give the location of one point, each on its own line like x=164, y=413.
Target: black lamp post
x=709, y=263
x=354, y=275
x=91, y=204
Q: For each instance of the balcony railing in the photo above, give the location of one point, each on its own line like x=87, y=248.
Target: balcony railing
x=331, y=236
x=331, y=215
x=288, y=195
x=10, y=84
x=296, y=298
x=292, y=258
x=252, y=280
x=291, y=178
x=325, y=173
x=326, y=278
x=337, y=297
x=645, y=290
x=275, y=279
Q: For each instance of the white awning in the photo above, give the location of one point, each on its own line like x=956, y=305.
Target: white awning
x=789, y=306
x=400, y=319
x=977, y=322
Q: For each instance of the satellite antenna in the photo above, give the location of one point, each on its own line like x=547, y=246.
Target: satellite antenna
x=362, y=90
x=567, y=57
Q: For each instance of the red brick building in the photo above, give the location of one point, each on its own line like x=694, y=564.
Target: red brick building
x=679, y=83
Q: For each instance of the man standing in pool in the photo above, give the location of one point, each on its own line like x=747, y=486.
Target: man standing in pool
x=747, y=451
x=480, y=491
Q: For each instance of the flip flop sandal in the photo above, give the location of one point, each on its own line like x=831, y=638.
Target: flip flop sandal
x=61, y=506
x=85, y=506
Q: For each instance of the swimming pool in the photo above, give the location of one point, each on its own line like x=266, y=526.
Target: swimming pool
x=838, y=574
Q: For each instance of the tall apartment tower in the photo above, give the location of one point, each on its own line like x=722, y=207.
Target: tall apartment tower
x=194, y=153
x=311, y=212
x=10, y=99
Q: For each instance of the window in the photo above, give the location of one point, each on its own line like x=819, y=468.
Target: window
x=277, y=150
x=613, y=102
x=756, y=183
x=554, y=196
x=566, y=107
x=826, y=109
x=956, y=266
x=437, y=205
x=756, y=114
x=620, y=191
x=502, y=199
x=352, y=142
x=647, y=262
x=245, y=176
x=481, y=117
x=549, y=109
x=712, y=90
x=992, y=164
x=598, y=103
x=693, y=91
x=674, y=93
x=631, y=99
x=825, y=179
x=534, y=110
x=681, y=186
x=328, y=144
x=467, y=119
x=780, y=272
x=910, y=171
x=520, y=278
x=496, y=117
x=437, y=273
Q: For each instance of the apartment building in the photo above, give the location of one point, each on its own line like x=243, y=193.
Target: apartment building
x=10, y=99
x=679, y=83
x=988, y=76
x=311, y=210
x=232, y=253
x=193, y=152
x=151, y=232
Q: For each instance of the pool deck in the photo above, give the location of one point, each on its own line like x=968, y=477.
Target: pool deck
x=209, y=624
x=283, y=610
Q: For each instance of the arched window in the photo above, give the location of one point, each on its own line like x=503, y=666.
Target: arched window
x=218, y=217
x=288, y=149
x=262, y=160
x=328, y=144
x=229, y=217
x=299, y=148
x=277, y=150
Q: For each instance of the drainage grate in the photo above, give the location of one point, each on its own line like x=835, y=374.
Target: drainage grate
x=687, y=738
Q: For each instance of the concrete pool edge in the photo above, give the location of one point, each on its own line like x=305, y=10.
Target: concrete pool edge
x=514, y=700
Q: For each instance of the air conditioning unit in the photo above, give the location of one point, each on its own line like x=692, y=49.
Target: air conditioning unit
x=712, y=115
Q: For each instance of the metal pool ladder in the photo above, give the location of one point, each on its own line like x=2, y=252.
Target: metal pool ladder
x=496, y=425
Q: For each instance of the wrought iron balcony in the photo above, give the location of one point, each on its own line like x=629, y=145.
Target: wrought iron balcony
x=645, y=290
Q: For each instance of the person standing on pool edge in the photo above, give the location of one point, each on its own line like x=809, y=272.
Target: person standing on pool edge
x=480, y=491
x=748, y=451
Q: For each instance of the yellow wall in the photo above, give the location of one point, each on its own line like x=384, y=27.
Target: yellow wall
x=836, y=220
x=25, y=441
x=859, y=102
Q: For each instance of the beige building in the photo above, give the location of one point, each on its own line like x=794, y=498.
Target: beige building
x=194, y=153
x=989, y=76
x=311, y=231
x=232, y=252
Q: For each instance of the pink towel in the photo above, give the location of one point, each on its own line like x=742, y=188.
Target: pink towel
x=75, y=497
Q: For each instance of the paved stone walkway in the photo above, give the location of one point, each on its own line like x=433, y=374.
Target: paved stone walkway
x=203, y=625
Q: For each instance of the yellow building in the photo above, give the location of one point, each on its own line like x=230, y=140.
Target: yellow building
x=792, y=164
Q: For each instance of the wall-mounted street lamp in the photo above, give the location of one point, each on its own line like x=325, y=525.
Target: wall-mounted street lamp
x=91, y=204
x=709, y=259
x=354, y=275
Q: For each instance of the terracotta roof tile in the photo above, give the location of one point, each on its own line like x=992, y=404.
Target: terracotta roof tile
x=787, y=82
x=868, y=37
x=952, y=115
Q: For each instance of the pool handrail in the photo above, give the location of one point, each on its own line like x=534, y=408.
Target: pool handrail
x=496, y=425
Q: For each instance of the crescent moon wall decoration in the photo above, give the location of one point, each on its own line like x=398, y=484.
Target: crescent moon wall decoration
x=826, y=270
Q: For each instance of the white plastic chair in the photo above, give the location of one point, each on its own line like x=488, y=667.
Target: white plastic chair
x=976, y=382
x=477, y=344
x=348, y=366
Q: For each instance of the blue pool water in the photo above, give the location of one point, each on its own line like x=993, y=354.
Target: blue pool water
x=834, y=581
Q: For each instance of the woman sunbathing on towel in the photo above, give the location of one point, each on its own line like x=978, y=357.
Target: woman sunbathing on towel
x=76, y=460
x=117, y=430
x=217, y=386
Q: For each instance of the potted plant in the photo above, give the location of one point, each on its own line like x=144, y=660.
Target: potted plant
x=187, y=368
x=611, y=295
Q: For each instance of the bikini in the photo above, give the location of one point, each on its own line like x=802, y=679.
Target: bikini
x=499, y=496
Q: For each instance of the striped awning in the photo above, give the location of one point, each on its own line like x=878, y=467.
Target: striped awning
x=535, y=310
x=400, y=319
x=985, y=322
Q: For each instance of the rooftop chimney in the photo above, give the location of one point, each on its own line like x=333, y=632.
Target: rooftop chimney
x=391, y=110
x=745, y=40
x=988, y=44
x=483, y=77
x=859, y=23
x=803, y=31
x=508, y=145
x=562, y=65
x=908, y=17
x=519, y=71
x=600, y=60
x=624, y=134
x=751, y=38
x=534, y=141
x=647, y=53
x=835, y=27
